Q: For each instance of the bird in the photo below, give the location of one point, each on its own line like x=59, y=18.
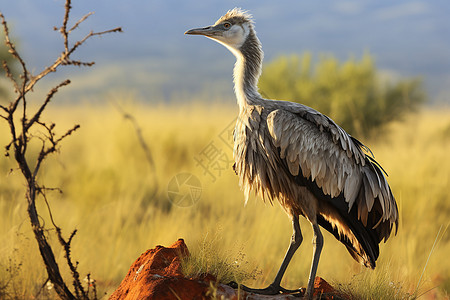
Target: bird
x=291, y=153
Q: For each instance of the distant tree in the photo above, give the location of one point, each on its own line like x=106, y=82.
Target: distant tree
x=351, y=93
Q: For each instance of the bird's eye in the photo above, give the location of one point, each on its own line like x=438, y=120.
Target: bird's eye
x=226, y=25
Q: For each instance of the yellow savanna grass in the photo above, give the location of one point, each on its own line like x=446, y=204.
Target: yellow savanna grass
x=109, y=195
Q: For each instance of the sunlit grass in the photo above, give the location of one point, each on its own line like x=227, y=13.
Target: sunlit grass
x=374, y=286
x=225, y=264
x=109, y=195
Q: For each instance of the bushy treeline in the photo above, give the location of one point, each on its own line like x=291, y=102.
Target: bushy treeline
x=351, y=93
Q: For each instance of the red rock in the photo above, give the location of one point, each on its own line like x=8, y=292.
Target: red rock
x=156, y=274
x=321, y=287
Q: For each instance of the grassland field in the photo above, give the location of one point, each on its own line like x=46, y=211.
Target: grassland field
x=120, y=204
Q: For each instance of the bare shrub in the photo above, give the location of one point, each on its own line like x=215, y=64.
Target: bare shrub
x=21, y=121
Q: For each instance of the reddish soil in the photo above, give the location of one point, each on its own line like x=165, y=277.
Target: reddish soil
x=156, y=274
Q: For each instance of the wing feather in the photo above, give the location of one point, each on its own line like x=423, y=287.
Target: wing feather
x=304, y=143
x=325, y=154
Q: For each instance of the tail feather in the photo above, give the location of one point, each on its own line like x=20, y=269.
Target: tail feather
x=359, y=243
x=361, y=240
x=360, y=231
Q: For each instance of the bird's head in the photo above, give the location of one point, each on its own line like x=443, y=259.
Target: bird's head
x=231, y=30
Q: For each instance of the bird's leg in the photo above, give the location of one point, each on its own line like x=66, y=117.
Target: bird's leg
x=317, y=248
x=296, y=241
x=275, y=288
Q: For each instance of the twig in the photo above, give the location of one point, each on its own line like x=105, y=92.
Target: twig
x=10, y=45
x=42, y=190
x=142, y=142
x=64, y=58
x=79, y=290
x=50, y=95
x=12, y=49
x=80, y=42
x=42, y=287
x=46, y=151
x=79, y=22
x=63, y=30
x=10, y=76
x=69, y=132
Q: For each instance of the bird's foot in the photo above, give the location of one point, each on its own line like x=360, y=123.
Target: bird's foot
x=272, y=289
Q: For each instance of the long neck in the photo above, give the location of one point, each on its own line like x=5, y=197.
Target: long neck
x=247, y=71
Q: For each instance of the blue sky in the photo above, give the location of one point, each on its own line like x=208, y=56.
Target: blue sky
x=154, y=59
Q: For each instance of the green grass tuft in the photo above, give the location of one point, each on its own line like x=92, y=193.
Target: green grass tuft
x=225, y=265
x=374, y=285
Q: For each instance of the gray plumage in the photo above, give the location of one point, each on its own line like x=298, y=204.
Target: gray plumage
x=293, y=154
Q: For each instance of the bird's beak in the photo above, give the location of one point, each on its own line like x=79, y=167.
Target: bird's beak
x=207, y=31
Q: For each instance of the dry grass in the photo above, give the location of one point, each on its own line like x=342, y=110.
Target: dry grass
x=225, y=264
x=109, y=196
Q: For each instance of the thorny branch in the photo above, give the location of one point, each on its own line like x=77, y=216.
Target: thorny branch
x=21, y=134
x=50, y=95
x=29, y=81
x=10, y=76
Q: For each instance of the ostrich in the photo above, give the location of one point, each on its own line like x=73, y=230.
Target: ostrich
x=292, y=153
